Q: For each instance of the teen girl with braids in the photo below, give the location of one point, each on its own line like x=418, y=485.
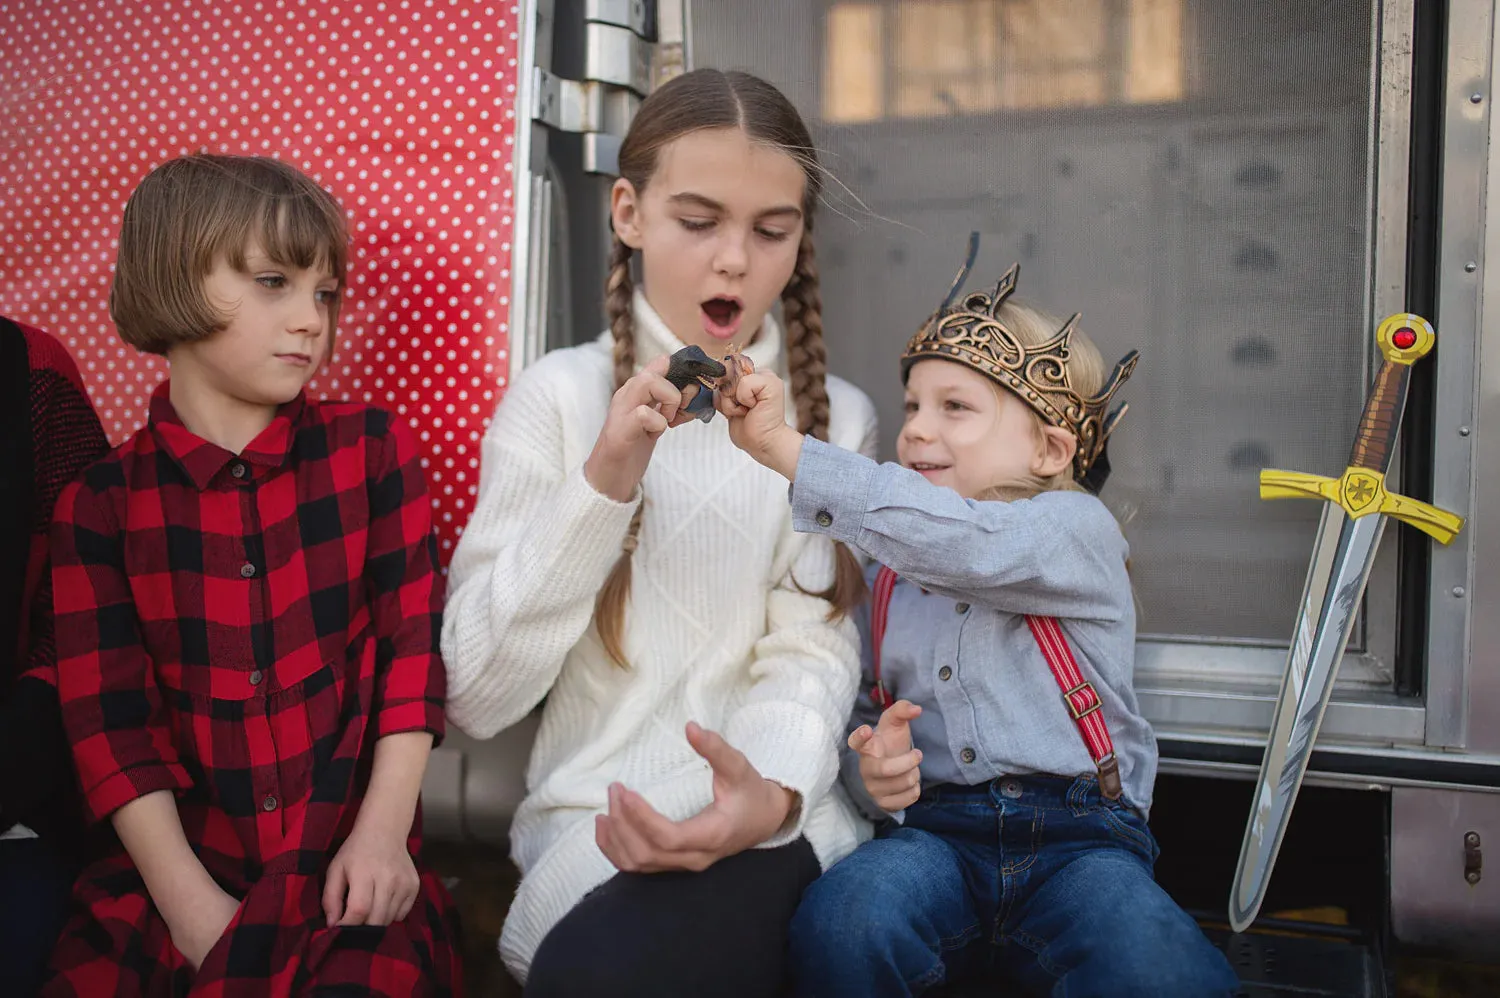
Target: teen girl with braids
x=694, y=650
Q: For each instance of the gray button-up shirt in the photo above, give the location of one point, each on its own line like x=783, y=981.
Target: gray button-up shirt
x=957, y=642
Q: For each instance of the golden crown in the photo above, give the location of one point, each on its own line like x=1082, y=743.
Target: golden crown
x=971, y=333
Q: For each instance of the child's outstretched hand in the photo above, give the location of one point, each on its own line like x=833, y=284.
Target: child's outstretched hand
x=757, y=422
x=888, y=764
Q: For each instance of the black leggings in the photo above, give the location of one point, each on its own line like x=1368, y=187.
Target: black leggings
x=719, y=933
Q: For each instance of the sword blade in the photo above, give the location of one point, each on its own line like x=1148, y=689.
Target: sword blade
x=1340, y=567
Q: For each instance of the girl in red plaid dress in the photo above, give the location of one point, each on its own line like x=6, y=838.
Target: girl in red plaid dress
x=247, y=627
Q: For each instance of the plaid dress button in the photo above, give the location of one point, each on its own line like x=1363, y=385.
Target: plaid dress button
x=247, y=571
x=269, y=803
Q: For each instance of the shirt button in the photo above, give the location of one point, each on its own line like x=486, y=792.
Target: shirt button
x=256, y=677
x=961, y=607
x=1010, y=788
x=237, y=470
x=269, y=804
x=967, y=755
x=945, y=673
x=824, y=518
x=247, y=571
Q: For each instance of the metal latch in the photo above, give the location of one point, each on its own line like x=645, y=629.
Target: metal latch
x=617, y=76
x=1473, y=859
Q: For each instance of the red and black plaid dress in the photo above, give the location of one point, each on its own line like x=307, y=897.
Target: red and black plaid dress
x=240, y=630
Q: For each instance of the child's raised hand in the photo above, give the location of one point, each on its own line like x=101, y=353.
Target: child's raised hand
x=757, y=422
x=640, y=412
x=372, y=879
x=888, y=764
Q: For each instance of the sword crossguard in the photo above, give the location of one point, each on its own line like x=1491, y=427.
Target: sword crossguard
x=1360, y=492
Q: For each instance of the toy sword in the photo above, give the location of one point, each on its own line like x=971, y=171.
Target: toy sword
x=1348, y=536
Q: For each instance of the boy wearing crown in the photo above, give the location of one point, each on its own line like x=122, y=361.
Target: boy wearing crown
x=1002, y=747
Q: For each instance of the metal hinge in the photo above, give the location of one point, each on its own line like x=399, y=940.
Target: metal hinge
x=1473, y=858
x=617, y=76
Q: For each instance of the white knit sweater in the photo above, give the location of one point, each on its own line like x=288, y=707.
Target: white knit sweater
x=717, y=629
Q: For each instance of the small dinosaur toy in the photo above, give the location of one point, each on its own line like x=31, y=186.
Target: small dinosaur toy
x=698, y=376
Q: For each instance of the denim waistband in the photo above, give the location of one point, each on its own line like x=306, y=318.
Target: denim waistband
x=1067, y=793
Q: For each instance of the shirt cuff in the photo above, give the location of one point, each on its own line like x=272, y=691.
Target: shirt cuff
x=414, y=715
x=831, y=492
x=126, y=785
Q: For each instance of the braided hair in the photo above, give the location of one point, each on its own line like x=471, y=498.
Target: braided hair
x=710, y=98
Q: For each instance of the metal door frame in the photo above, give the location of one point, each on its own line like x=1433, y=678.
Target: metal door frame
x=1466, y=165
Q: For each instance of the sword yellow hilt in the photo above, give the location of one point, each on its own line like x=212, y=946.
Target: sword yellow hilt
x=1403, y=339
x=1361, y=492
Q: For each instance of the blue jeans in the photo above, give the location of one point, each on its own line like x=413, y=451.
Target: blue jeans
x=1037, y=880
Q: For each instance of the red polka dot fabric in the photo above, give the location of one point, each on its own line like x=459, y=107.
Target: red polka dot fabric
x=404, y=109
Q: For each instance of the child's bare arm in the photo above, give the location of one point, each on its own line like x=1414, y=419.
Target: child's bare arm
x=194, y=907
x=395, y=782
x=121, y=736
x=372, y=880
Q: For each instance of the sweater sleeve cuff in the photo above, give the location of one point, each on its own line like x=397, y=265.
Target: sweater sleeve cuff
x=832, y=491
x=789, y=745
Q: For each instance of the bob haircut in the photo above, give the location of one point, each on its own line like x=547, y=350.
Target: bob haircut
x=192, y=212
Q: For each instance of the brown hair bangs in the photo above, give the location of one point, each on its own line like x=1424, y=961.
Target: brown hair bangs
x=192, y=212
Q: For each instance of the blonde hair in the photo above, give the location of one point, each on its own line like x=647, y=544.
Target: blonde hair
x=1033, y=326
x=192, y=212
x=701, y=99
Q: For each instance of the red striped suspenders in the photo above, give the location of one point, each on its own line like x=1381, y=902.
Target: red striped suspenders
x=1080, y=696
x=880, y=609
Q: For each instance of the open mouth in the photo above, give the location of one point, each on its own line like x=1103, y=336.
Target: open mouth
x=928, y=468
x=721, y=316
